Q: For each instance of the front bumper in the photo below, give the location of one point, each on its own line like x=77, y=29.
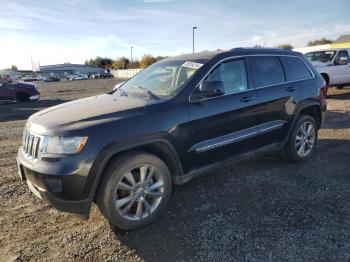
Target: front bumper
x=58, y=191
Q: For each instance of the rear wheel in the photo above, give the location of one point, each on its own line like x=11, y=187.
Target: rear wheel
x=134, y=191
x=301, y=143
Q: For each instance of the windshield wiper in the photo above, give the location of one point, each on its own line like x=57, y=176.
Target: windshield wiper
x=150, y=94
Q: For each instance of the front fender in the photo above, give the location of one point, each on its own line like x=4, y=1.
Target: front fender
x=114, y=148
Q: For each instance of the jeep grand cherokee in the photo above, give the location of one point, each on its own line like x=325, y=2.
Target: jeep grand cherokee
x=172, y=121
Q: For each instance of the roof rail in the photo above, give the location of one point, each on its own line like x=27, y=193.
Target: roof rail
x=257, y=48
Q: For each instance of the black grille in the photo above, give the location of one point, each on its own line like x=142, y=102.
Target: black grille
x=31, y=145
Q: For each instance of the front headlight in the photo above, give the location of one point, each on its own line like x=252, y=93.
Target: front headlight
x=63, y=145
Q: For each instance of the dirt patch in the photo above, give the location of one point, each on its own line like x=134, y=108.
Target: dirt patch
x=260, y=209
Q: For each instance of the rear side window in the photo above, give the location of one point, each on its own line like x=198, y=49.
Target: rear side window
x=268, y=70
x=295, y=68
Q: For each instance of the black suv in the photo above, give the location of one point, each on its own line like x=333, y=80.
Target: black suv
x=174, y=120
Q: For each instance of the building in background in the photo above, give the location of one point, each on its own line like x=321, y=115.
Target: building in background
x=64, y=70
x=342, y=42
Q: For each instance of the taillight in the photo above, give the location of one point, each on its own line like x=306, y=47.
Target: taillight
x=324, y=89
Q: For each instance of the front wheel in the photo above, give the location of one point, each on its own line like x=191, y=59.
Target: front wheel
x=302, y=140
x=22, y=97
x=134, y=190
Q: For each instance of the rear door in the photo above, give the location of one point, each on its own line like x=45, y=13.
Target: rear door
x=278, y=93
x=223, y=126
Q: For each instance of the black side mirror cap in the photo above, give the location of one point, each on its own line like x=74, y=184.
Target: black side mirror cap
x=208, y=89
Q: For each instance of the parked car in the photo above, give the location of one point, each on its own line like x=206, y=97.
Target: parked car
x=51, y=79
x=106, y=75
x=101, y=75
x=20, y=91
x=77, y=77
x=6, y=78
x=94, y=76
x=31, y=78
x=174, y=120
x=333, y=65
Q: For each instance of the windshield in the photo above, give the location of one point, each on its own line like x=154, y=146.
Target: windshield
x=161, y=80
x=321, y=56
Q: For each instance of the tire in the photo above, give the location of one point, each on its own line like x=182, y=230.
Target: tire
x=111, y=191
x=292, y=151
x=22, y=97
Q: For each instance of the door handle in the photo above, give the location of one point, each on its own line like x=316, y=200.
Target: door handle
x=247, y=98
x=291, y=88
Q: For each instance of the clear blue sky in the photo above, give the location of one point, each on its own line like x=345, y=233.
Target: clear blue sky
x=75, y=30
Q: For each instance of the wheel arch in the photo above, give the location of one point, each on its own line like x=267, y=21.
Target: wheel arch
x=312, y=109
x=326, y=78
x=159, y=147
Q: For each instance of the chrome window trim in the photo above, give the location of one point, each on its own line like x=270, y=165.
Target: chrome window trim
x=258, y=131
x=249, y=89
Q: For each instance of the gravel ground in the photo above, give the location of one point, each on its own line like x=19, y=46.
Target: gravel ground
x=260, y=209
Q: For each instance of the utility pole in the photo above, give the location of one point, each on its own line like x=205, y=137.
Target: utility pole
x=132, y=63
x=193, y=28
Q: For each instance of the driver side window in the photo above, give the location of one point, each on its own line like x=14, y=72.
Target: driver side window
x=232, y=74
x=342, y=53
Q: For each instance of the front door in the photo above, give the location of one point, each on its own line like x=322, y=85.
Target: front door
x=340, y=73
x=223, y=126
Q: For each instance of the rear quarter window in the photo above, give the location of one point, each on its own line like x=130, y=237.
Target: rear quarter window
x=295, y=68
x=268, y=70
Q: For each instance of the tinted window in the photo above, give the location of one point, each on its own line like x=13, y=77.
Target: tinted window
x=232, y=74
x=268, y=70
x=295, y=68
x=321, y=56
x=340, y=54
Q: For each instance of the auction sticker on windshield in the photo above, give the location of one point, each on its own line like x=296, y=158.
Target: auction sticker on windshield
x=193, y=65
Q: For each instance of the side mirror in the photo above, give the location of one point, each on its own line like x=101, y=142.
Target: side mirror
x=343, y=60
x=208, y=89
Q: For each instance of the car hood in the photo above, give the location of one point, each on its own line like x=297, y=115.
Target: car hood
x=85, y=112
x=25, y=85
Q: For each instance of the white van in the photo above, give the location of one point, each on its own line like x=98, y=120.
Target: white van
x=333, y=65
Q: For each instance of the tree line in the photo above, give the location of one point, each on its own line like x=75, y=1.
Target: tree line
x=321, y=41
x=123, y=62
x=147, y=60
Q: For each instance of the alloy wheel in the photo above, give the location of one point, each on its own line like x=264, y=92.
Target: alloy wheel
x=139, y=192
x=305, y=139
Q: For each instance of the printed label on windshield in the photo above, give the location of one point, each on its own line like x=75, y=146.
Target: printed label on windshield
x=193, y=65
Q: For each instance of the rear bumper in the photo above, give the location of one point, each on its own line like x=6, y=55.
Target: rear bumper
x=56, y=190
